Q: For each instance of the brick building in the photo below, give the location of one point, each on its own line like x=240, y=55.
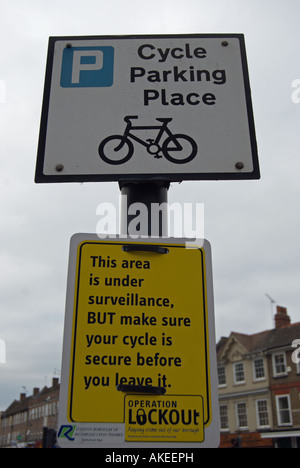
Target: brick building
x=23, y=423
x=284, y=375
x=259, y=387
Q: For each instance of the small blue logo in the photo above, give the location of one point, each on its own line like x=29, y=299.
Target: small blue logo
x=66, y=432
x=87, y=67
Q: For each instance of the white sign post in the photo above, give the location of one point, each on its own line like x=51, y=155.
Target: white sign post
x=142, y=108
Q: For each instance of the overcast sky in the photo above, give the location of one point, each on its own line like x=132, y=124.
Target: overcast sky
x=253, y=226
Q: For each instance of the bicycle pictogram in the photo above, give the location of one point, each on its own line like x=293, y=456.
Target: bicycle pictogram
x=176, y=148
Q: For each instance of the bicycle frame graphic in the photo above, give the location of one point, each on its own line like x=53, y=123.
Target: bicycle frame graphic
x=176, y=148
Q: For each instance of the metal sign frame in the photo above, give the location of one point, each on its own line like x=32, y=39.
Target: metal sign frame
x=235, y=171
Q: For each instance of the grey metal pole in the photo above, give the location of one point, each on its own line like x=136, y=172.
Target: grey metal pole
x=144, y=208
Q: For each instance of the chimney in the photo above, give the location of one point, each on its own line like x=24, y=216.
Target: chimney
x=55, y=381
x=281, y=318
x=36, y=391
x=22, y=396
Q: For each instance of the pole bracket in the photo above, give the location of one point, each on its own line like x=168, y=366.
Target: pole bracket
x=145, y=248
x=146, y=389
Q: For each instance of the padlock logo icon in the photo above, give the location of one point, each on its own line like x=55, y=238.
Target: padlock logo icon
x=141, y=417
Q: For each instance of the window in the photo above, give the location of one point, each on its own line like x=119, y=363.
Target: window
x=239, y=374
x=259, y=369
x=224, y=417
x=241, y=414
x=279, y=364
x=221, y=376
x=283, y=405
x=262, y=413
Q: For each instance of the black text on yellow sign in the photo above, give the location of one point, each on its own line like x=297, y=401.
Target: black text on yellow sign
x=139, y=318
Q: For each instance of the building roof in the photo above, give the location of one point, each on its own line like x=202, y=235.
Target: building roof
x=263, y=341
x=18, y=406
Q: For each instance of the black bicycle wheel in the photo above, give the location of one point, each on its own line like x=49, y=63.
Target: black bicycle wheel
x=115, y=150
x=179, y=149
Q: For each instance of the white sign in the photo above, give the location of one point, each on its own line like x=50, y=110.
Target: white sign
x=147, y=107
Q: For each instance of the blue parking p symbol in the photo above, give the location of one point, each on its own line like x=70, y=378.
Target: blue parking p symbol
x=87, y=67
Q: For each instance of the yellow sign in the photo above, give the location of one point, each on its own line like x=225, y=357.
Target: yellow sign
x=140, y=318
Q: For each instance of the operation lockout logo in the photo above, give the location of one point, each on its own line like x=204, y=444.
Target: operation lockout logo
x=176, y=418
